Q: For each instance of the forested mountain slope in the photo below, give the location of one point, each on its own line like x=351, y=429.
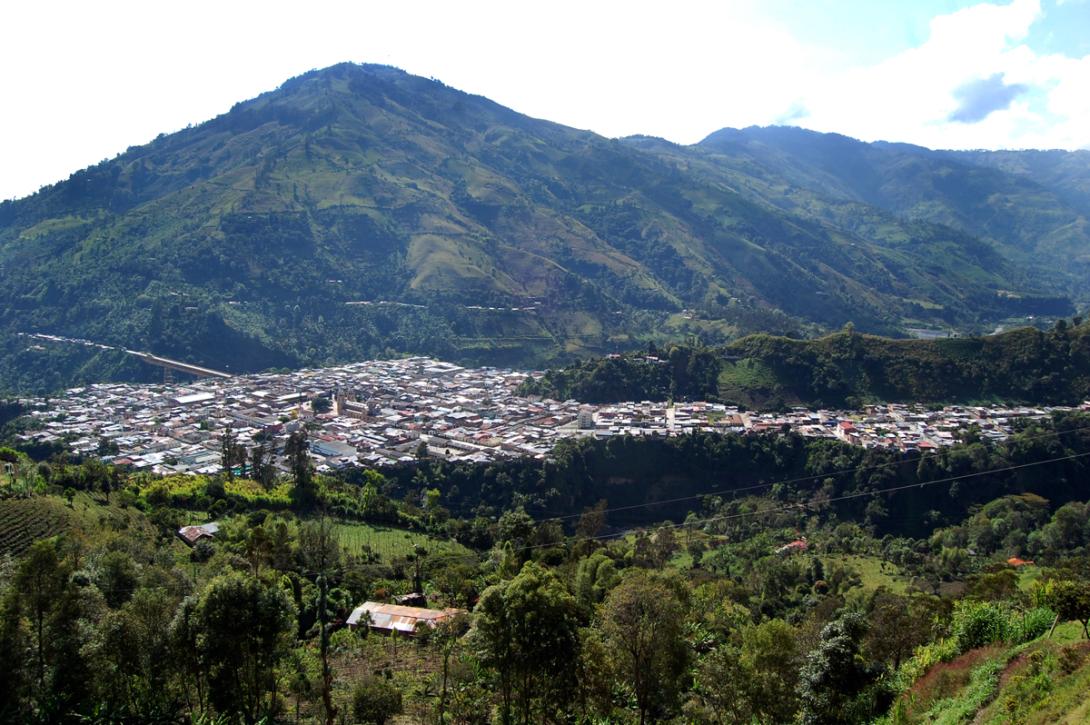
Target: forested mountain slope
x=843, y=369
x=360, y=211
x=1031, y=204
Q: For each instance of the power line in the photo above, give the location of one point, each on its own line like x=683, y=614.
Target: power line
x=802, y=506
x=785, y=508
x=785, y=481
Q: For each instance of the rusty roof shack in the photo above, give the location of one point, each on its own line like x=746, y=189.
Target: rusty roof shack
x=192, y=534
x=395, y=618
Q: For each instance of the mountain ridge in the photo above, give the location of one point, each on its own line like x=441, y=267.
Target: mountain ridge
x=250, y=241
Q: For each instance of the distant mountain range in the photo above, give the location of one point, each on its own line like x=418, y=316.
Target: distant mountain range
x=359, y=211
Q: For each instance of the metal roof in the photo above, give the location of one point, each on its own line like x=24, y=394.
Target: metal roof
x=398, y=618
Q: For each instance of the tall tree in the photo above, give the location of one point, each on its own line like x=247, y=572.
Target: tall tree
x=297, y=450
x=527, y=634
x=15, y=676
x=643, y=620
x=448, y=634
x=41, y=579
x=321, y=554
x=229, y=452
x=243, y=630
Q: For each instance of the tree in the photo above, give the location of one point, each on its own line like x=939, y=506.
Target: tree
x=297, y=450
x=60, y=611
x=665, y=544
x=835, y=674
x=136, y=661
x=526, y=633
x=41, y=579
x=722, y=689
x=447, y=635
x=321, y=553
x=898, y=625
x=185, y=636
x=261, y=466
x=594, y=577
x=516, y=528
x=107, y=447
x=15, y=676
x=749, y=680
x=642, y=620
x=590, y=524
x=231, y=453
x=243, y=629
x=1071, y=600
x=117, y=577
x=455, y=580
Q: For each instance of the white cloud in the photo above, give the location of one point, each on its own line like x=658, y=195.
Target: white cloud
x=911, y=96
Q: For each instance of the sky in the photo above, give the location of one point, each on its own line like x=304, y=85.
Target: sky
x=83, y=81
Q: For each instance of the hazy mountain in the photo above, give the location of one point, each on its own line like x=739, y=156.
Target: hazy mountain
x=480, y=234
x=1032, y=204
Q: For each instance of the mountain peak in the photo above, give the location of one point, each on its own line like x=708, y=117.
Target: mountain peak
x=359, y=210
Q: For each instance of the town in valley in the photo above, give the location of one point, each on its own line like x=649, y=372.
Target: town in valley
x=381, y=412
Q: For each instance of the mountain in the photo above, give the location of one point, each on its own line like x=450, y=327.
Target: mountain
x=360, y=211
x=1032, y=205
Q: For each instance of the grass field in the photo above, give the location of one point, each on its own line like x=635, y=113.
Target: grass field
x=390, y=542
x=873, y=572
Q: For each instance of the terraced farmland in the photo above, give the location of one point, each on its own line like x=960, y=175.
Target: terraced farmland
x=24, y=521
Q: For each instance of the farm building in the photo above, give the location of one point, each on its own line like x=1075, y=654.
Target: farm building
x=390, y=618
x=192, y=534
x=794, y=546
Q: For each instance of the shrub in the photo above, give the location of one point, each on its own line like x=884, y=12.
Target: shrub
x=925, y=657
x=202, y=551
x=1030, y=625
x=375, y=700
x=976, y=624
x=1071, y=659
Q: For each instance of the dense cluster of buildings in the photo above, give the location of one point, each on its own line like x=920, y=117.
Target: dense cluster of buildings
x=380, y=412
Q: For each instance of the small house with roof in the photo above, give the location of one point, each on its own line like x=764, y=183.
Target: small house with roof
x=396, y=618
x=192, y=534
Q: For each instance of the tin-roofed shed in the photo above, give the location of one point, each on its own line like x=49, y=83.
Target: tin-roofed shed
x=397, y=618
x=192, y=534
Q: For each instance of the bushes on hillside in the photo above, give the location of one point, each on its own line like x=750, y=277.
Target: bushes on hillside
x=977, y=624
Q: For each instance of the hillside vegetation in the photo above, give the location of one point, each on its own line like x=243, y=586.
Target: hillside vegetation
x=868, y=587
x=845, y=369
x=359, y=211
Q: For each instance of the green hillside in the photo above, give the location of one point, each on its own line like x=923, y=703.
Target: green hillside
x=844, y=369
x=359, y=211
x=1042, y=681
x=1031, y=204
x=851, y=586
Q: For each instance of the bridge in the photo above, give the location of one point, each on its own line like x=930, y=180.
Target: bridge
x=183, y=367
x=168, y=365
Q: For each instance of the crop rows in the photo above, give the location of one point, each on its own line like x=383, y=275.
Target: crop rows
x=24, y=521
